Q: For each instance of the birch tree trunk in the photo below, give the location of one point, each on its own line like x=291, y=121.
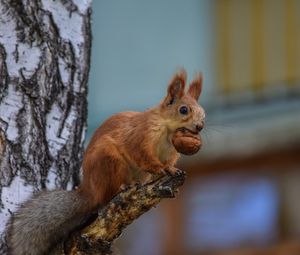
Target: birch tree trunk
x=44, y=66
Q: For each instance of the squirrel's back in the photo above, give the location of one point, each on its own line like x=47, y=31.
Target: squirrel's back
x=44, y=220
x=116, y=126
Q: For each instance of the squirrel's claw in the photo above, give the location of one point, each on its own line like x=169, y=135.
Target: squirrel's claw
x=173, y=171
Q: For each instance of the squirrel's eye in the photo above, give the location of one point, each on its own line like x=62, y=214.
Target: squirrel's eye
x=183, y=110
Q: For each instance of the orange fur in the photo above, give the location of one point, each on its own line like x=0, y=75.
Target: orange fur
x=129, y=145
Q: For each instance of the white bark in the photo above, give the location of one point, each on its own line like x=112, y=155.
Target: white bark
x=44, y=65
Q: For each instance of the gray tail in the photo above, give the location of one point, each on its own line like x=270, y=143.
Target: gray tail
x=44, y=220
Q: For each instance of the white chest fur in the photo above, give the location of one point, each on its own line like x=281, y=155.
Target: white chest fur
x=165, y=149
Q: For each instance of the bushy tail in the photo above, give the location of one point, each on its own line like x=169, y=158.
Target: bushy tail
x=44, y=220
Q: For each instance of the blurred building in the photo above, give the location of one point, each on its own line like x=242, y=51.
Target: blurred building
x=243, y=188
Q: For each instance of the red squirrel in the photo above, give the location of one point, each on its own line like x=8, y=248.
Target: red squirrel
x=124, y=149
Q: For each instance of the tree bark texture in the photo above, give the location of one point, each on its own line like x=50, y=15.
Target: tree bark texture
x=44, y=65
x=122, y=210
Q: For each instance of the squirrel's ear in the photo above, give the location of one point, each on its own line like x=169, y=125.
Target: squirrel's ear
x=176, y=87
x=196, y=86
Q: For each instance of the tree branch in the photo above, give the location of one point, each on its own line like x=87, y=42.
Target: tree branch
x=122, y=210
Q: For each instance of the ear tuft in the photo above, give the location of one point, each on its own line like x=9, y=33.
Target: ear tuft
x=195, y=88
x=177, y=85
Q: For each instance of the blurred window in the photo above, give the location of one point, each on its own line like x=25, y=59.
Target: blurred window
x=229, y=211
x=258, y=44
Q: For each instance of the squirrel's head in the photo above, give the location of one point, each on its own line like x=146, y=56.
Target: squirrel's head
x=180, y=109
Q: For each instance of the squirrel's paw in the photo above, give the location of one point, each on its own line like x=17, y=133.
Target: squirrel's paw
x=171, y=170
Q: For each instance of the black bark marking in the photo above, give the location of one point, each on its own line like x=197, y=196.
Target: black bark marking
x=3, y=73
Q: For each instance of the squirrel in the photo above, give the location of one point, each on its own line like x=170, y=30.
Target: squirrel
x=126, y=148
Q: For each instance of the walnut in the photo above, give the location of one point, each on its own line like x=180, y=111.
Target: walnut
x=185, y=142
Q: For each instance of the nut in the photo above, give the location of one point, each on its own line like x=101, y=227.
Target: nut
x=186, y=142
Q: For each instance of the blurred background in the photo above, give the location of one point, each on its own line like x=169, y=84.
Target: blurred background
x=242, y=194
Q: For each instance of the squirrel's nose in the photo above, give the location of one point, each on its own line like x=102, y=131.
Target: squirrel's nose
x=199, y=127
